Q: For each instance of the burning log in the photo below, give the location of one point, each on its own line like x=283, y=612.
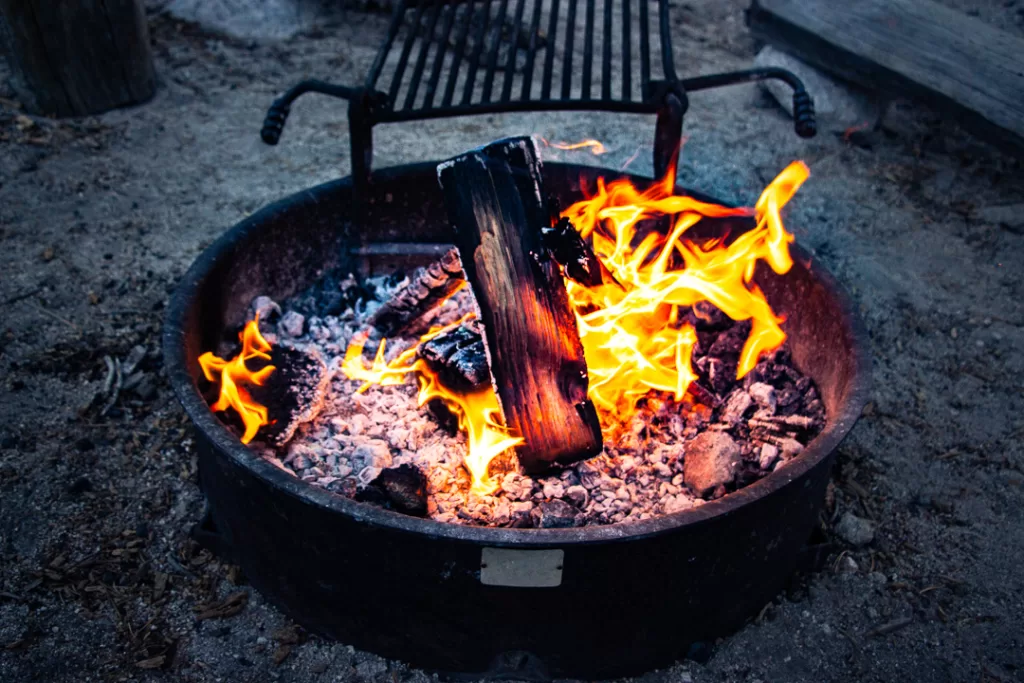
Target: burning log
x=495, y=202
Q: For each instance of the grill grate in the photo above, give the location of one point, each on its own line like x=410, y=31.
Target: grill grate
x=510, y=55
x=489, y=56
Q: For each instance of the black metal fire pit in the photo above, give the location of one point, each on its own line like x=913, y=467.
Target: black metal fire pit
x=595, y=601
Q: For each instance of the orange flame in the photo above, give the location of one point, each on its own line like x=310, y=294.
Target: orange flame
x=596, y=148
x=234, y=371
x=630, y=329
x=478, y=412
x=631, y=336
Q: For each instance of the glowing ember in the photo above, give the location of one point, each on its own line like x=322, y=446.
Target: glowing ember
x=630, y=331
x=478, y=412
x=594, y=146
x=233, y=373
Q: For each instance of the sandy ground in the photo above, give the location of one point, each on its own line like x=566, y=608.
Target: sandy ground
x=100, y=217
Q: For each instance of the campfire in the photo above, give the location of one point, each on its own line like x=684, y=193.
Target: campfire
x=600, y=365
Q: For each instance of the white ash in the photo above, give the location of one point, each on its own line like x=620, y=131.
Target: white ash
x=640, y=474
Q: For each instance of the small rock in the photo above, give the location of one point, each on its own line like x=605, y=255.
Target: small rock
x=711, y=461
x=578, y=495
x=736, y=406
x=848, y=565
x=375, y=453
x=854, y=530
x=769, y=453
x=676, y=503
x=790, y=447
x=556, y=514
x=368, y=474
x=764, y=395
x=553, y=489
x=266, y=308
x=292, y=324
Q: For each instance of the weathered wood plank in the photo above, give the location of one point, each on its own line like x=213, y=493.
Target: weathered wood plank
x=915, y=48
x=495, y=201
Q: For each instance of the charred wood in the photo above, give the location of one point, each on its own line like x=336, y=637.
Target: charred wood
x=494, y=198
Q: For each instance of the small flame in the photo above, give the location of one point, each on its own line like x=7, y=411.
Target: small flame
x=595, y=146
x=232, y=373
x=478, y=412
x=630, y=330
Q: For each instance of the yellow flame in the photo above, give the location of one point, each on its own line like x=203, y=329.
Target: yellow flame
x=478, y=412
x=233, y=372
x=630, y=332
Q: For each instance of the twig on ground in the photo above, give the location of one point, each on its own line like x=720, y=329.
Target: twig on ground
x=889, y=627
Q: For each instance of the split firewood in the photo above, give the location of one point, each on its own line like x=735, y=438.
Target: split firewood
x=427, y=288
x=495, y=201
x=294, y=393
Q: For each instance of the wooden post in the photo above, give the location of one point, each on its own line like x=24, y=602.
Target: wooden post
x=495, y=201
x=77, y=57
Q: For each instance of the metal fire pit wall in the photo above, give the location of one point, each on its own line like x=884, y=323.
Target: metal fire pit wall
x=598, y=601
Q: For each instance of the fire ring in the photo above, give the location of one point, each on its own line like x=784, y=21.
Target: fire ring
x=597, y=601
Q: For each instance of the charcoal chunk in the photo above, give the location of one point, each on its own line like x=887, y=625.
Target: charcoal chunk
x=459, y=357
x=402, y=488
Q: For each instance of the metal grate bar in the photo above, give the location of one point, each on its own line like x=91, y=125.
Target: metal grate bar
x=474, y=58
x=606, y=61
x=531, y=54
x=668, y=61
x=588, y=50
x=497, y=31
x=439, y=55
x=403, y=60
x=381, y=58
x=627, y=57
x=645, y=48
x=421, y=60
x=570, y=36
x=549, y=58
x=510, y=64
x=460, y=46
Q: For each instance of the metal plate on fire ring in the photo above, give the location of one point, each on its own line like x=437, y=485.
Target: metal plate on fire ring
x=521, y=568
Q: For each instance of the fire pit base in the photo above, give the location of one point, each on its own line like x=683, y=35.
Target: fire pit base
x=584, y=602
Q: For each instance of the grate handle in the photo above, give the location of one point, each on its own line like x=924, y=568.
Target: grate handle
x=277, y=114
x=804, y=121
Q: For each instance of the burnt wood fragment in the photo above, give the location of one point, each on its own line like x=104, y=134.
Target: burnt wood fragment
x=495, y=202
x=459, y=357
x=575, y=256
x=294, y=393
x=402, y=488
x=427, y=288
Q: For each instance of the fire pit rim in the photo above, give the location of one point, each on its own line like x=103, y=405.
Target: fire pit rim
x=177, y=364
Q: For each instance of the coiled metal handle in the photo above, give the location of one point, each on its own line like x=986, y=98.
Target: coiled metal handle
x=803, y=114
x=273, y=123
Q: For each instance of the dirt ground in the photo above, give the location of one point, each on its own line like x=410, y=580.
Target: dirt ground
x=99, y=218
